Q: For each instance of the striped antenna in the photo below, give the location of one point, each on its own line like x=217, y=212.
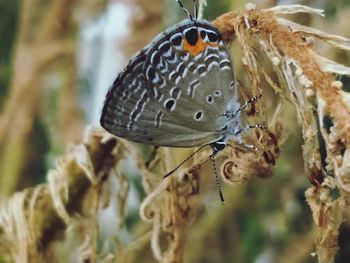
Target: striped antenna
x=195, y=10
x=243, y=106
x=185, y=10
x=201, y=4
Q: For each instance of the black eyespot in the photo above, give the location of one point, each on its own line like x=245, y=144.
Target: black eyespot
x=213, y=37
x=217, y=93
x=203, y=34
x=198, y=115
x=164, y=47
x=176, y=40
x=169, y=104
x=192, y=36
x=209, y=99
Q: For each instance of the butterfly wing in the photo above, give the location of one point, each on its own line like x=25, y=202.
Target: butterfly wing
x=175, y=91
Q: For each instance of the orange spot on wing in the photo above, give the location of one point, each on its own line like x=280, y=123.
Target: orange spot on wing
x=199, y=47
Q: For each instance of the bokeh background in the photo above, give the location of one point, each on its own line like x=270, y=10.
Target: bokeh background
x=57, y=61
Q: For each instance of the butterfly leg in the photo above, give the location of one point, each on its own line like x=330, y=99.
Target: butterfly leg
x=217, y=147
x=244, y=129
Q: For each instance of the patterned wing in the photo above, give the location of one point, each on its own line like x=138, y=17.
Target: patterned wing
x=174, y=92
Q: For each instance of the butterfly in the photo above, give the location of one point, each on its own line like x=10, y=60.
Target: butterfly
x=178, y=91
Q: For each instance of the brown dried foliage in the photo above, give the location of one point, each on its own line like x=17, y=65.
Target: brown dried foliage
x=316, y=90
x=44, y=41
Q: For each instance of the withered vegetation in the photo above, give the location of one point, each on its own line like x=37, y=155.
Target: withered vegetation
x=33, y=220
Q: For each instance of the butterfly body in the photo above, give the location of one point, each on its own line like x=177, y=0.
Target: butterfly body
x=178, y=91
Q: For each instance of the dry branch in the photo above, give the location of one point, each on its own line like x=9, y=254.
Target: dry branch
x=302, y=75
x=33, y=219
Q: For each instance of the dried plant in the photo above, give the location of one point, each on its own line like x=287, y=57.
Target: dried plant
x=31, y=220
x=306, y=79
x=43, y=43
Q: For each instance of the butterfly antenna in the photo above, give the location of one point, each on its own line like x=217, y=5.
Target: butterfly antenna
x=189, y=157
x=195, y=12
x=251, y=100
x=218, y=183
x=185, y=10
